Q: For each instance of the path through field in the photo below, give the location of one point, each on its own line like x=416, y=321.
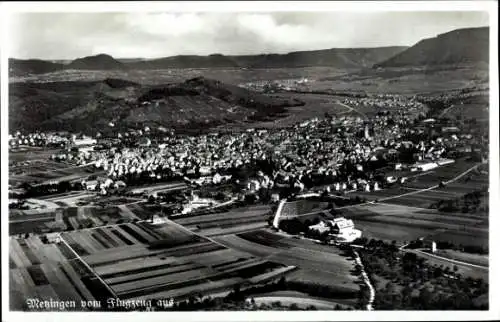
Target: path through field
x=369, y=306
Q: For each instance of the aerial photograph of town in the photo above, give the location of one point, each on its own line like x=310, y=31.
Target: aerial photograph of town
x=268, y=161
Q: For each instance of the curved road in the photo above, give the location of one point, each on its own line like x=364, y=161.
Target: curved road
x=352, y=109
x=454, y=261
x=300, y=301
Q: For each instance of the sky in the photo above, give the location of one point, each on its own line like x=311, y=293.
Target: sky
x=150, y=35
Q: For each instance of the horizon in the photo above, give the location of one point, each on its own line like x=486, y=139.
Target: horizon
x=143, y=36
x=212, y=54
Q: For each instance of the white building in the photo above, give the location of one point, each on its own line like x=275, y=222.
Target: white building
x=84, y=141
x=341, y=229
x=426, y=166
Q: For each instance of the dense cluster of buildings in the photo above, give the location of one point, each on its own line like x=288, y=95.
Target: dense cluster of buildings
x=36, y=139
x=268, y=86
x=387, y=101
x=337, y=154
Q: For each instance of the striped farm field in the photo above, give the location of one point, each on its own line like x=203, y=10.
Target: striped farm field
x=404, y=223
x=50, y=276
x=233, y=214
x=263, y=237
x=219, y=231
x=304, y=254
x=158, y=271
x=204, y=287
x=139, y=210
x=163, y=259
x=134, y=260
x=232, y=222
x=153, y=284
x=170, y=231
x=423, y=214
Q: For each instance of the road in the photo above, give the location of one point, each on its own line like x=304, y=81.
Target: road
x=397, y=196
x=433, y=187
x=352, y=109
x=446, y=111
x=302, y=302
x=454, y=261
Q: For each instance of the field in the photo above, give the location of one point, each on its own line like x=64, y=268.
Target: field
x=30, y=154
x=131, y=261
x=143, y=260
x=422, y=190
x=392, y=80
x=316, y=105
x=70, y=218
x=43, y=271
x=236, y=220
x=229, y=75
x=156, y=188
x=302, y=207
x=316, y=263
x=38, y=170
x=70, y=199
x=302, y=300
x=404, y=213
x=476, y=259
x=406, y=80
x=402, y=223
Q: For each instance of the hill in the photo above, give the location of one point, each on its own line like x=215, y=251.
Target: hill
x=91, y=106
x=97, y=62
x=23, y=67
x=459, y=46
x=336, y=57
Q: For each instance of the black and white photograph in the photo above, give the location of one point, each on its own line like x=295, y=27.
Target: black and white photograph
x=279, y=157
